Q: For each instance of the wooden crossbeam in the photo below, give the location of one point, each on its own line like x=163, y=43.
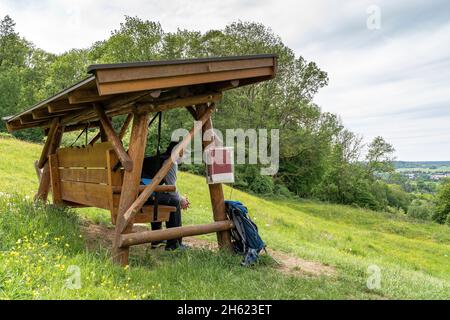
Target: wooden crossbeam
x=125, y=126
x=136, y=238
x=63, y=106
x=149, y=189
x=116, y=142
x=45, y=151
x=83, y=96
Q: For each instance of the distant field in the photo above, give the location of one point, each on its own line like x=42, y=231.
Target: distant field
x=38, y=244
x=422, y=166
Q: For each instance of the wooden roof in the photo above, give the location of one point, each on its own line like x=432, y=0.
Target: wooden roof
x=154, y=85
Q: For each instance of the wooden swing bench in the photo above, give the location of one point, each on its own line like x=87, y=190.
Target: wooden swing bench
x=86, y=177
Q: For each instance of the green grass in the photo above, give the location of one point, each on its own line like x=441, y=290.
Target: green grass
x=38, y=244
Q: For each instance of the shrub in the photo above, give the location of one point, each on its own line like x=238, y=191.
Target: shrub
x=262, y=185
x=421, y=209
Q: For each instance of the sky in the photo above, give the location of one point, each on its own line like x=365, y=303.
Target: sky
x=388, y=61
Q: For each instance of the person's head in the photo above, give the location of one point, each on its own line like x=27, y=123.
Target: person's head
x=169, y=150
x=170, y=147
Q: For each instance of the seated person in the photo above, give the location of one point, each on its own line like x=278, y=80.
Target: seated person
x=149, y=169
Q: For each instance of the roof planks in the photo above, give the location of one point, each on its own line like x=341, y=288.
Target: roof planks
x=154, y=85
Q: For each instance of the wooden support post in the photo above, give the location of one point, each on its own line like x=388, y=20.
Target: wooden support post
x=149, y=189
x=55, y=181
x=131, y=181
x=45, y=151
x=127, y=163
x=38, y=171
x=132, y=239
x=216, y=192
x=44, y=183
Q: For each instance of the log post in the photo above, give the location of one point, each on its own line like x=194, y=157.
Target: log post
x=45, y=151
x=131, y=181
x=216, y=191
x=44, y=183
x=115, y=140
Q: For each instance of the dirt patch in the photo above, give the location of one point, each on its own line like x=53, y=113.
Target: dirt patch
x=101, y=235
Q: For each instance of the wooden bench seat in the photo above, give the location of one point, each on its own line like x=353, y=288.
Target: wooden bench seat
x=85, y=177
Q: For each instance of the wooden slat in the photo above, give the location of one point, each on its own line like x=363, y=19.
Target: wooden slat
x=91, y=194
x=182, y=80
x=84, y=175
x=90, y=156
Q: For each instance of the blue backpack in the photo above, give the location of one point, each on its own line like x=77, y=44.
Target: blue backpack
x=245, y=238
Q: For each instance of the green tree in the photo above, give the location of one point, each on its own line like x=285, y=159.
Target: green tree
x=442, y=203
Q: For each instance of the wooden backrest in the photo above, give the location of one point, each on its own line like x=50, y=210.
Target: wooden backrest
x=85, y=174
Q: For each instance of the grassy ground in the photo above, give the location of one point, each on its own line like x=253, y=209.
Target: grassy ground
x=38, y=246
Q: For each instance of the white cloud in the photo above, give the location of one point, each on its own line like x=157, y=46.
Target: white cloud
x=392, y=82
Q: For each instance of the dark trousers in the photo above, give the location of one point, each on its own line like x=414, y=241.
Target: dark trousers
x=175, y=217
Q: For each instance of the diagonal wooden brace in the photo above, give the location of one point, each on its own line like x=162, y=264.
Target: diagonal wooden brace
x=124, y=158
x=45, y=151
x=140, y=201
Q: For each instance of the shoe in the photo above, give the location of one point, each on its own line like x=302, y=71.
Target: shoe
x=158, y=244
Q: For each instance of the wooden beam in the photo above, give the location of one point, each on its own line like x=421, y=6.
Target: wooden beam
x=45, y=150
x=83, y=96
x=149, y=189
x=192, y=111
x=131, y=181
x=210, y=97
x=127, y=163
x=216, y=191
x=136, y=238
x=125, y=126
x=55, y=180
x=38, y=171
x=82, y=126
x=44, y=183
x=63, y=106
x=156, y=106
x=43, y=113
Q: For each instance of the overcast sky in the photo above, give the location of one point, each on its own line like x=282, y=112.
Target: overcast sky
x=388, y=61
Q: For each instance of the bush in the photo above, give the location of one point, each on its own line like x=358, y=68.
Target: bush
x=442, y=203
x=421, y=209
x=262, y=185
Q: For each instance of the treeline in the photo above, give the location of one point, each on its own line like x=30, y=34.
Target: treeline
x=319, y=158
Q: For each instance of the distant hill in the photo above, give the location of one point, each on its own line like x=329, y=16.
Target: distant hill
x=421, y=164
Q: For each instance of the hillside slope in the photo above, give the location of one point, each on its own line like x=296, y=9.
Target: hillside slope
x=39, y=244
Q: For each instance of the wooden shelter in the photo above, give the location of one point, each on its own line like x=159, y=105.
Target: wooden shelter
x=90, y=176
